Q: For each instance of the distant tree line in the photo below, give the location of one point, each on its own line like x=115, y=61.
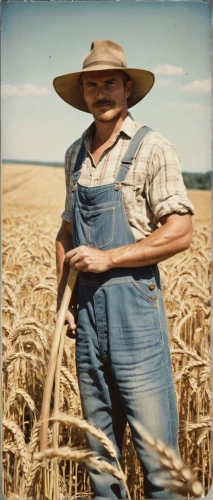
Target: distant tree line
x=197, y=180
x=192, y=180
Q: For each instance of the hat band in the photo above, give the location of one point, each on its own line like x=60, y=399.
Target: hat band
x=107, y=63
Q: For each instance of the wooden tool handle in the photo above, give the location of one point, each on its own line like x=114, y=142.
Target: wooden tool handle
x=45, y=411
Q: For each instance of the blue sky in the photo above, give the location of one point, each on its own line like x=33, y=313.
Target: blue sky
x=41, y=40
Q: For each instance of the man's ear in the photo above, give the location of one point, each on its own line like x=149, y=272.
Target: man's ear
x=129, y=86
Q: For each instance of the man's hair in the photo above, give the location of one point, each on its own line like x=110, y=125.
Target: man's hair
x=125, y=78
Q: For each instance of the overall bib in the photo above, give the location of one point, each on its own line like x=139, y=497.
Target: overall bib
x=122, y=350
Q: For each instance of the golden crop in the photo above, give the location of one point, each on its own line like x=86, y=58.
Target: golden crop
x=33, y=199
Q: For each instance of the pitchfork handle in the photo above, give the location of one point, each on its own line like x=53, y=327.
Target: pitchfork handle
x=45, y=411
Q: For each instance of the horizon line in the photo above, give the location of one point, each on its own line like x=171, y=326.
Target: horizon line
x=61, y=164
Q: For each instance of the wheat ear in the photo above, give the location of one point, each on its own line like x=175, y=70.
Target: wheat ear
x=88, y=427
x=86, y=456
x=98, y=433
x=19, y=439
x=181, y=476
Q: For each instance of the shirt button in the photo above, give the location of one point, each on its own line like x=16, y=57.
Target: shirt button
x=152, y=286
x=154, y=297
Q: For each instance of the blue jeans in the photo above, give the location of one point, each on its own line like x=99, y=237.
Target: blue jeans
x=124, y=369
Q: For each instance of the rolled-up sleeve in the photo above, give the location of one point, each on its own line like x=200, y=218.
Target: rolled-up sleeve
x=67, y=213
x=166, y=190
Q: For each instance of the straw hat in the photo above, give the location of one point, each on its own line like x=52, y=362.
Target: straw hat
x=104, y=55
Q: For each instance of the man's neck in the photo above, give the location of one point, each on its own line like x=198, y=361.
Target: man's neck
x=105, y=131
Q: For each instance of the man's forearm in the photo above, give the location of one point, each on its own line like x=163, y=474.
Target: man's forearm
x=172, y=237
x=166, y=241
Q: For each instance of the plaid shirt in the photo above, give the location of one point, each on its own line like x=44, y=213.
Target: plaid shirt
x=153, y=186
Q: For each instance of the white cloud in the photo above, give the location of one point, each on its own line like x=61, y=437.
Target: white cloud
x=163, y=83
x=168, y=69
x=26, y=89
x=198, y=86
x=187, y=104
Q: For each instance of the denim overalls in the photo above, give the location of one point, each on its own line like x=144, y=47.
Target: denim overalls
x=122, y=350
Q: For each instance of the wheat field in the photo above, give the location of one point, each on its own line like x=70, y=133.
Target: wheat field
x=32, y=201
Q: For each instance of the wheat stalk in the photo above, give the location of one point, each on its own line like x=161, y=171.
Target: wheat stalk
x=192, y=426
x=34, y=361
x=98, y=433
x=173, y=464
x=10, y=447
x=34, y=438
x=32, y=326
x=85, y=456
x=186, y=279
x=29, y=345
x=19, y=439
x=87, y=427
x=186, y=369
x=33, y=474
x=71, y=398
x=71, y=379
x=185, y=350
x=24, y=394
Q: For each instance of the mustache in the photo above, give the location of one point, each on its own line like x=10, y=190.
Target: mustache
x=99, y=102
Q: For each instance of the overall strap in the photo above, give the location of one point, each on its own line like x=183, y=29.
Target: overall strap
x=78, y=163
x=130, y=153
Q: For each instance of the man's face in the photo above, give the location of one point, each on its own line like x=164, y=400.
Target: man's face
x=106, y=94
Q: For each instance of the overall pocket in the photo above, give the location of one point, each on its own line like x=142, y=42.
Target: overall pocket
x=94, y=228
x=147, y=290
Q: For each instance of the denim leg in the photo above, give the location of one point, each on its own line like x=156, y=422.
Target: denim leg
x=126, y=325
x=141, y=366
x=100, y=399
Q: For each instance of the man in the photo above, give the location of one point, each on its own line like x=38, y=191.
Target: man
x=129, y=212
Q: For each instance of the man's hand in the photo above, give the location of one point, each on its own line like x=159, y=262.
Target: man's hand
x=70, y=318
x=88, y=259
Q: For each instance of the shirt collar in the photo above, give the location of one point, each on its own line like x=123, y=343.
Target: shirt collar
x=127, y=129
x=128, y=126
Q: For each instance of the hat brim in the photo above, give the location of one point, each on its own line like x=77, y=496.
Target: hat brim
x=68, y=88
